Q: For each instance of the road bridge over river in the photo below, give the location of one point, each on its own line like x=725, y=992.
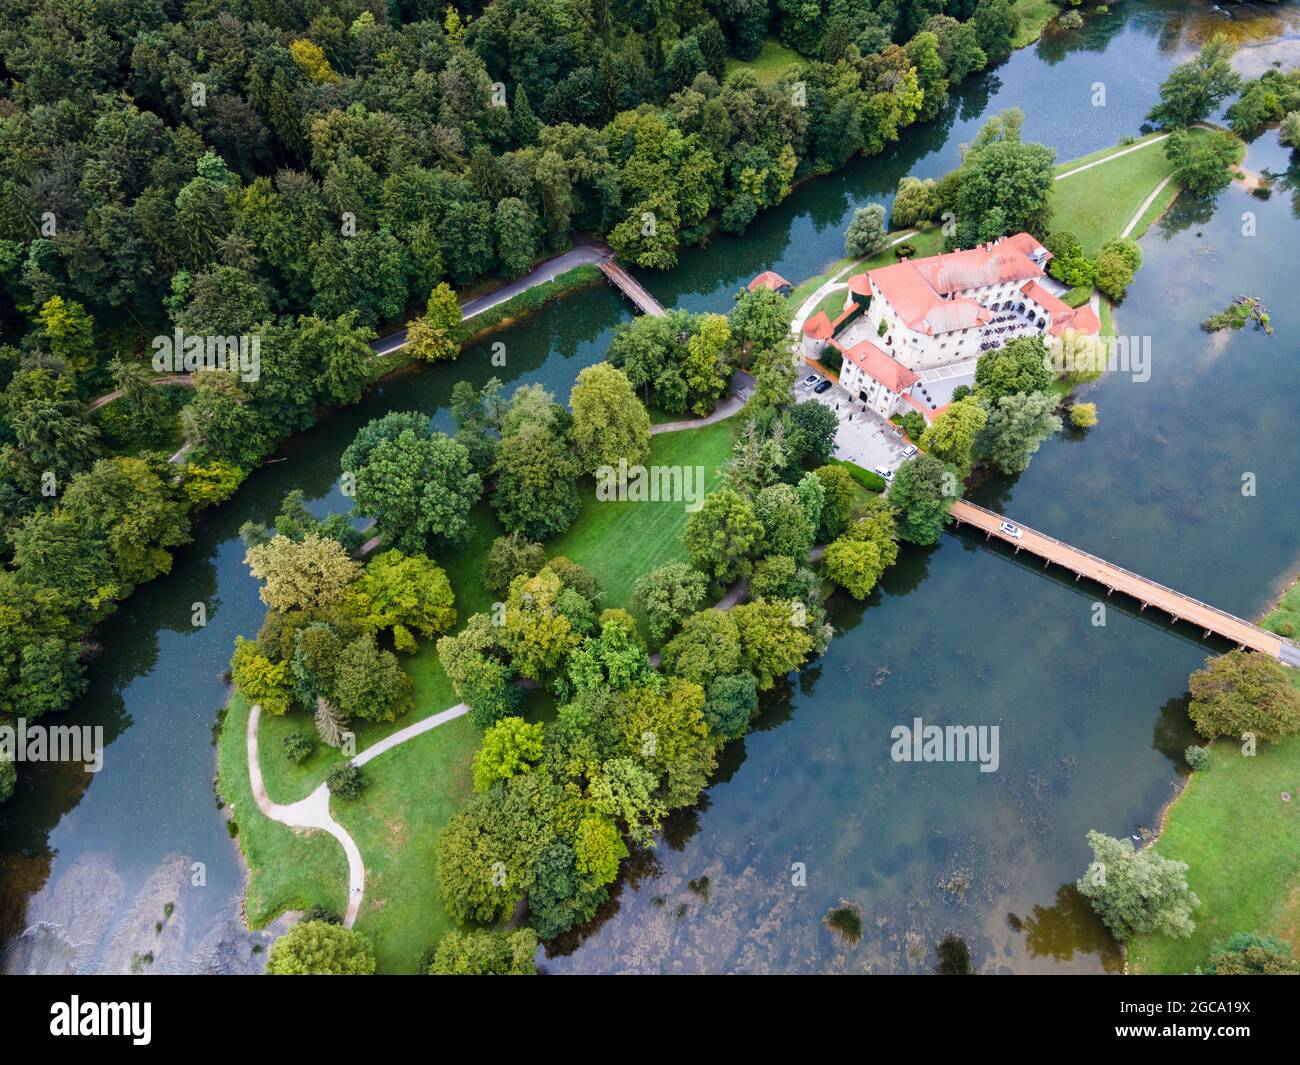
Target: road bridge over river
x=1180, y=607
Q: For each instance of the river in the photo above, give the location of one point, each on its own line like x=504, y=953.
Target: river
x=1091, y=718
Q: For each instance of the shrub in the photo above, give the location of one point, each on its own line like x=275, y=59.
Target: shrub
x=345, y=780
x=1198, y=758
x=1077, y=296
x=913, y=424
x=314, y=948
x=1071, y=20
x=1083, y=415
x=872, y=482
x=297, y=747
x=904, y=251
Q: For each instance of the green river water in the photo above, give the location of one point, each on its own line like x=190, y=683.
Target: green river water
x=1092, y=719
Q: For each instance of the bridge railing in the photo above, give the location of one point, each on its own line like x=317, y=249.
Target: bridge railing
x=1136, y=576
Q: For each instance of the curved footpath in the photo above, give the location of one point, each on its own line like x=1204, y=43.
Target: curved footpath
x=313, y=812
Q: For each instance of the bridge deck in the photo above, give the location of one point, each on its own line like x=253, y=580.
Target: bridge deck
x=631, y=288
x=1117, y=579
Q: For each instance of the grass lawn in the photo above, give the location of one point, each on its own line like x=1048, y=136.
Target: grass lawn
x=1034, y=17
x=1284, y=619
x=289, y=870
x=412, y=792
x=1104, y=153
x=1241, y=843
x=769, y=64
x=1097, y=204
x=618, y=541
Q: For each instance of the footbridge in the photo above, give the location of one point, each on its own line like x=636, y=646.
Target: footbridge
x=1210, y=619
x=630, y=287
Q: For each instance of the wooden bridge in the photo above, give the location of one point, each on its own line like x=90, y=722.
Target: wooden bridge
x=1211, y=620
x=630, y=287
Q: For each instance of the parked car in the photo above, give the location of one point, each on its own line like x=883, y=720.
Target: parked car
x=909, y=451
x=885, y=472
x=822, y=387
x=1007, y=529
x=811, y=380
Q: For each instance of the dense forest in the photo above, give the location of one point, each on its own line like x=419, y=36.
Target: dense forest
x=306, y=171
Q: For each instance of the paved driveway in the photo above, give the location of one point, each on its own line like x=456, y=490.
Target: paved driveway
x=864, y=436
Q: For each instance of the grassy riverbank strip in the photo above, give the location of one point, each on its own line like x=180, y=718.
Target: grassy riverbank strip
x=1240, y=839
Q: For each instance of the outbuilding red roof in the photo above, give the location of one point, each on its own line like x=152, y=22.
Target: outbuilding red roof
x=769, y=279
x=818, y=327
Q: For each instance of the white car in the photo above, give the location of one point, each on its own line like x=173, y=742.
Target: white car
x=909, y=451
x=811, y=380
x=884, y=472
x=1007, y=529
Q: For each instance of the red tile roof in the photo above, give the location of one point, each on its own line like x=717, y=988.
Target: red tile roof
x=875, y=363
x=769, y=279
x=917, y=289
x=818, y=327
x=1063, y=316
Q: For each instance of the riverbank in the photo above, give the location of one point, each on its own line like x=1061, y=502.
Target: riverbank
x=1236, y=823
x=413, y=791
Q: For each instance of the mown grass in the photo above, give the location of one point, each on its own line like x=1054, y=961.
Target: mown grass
x=1284, y=619
x=1034, y=17
x=768, y=66
x=1103, y=153
x=1241, y=842
x=288, y=870
x=618, y=541
x=1096, y=205
x=411, y=792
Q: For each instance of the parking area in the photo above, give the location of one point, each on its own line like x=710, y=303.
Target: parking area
x=864, y=437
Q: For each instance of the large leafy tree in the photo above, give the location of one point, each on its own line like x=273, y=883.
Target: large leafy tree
x=486, y=952
x=922, y=493
x=419, y=490
x=775, y=637
x=536, y=483
x=1203, y=161
x=1020, y=365
x=511, y=746
x=302, y=575
x=667, y=595
x=857, y=560
x=609, y=422
x=1241, y=692
x=1137, y=891
x=405, y=593
x=1195, y=89
x=1017, y=425
x=723, y=536
x=320, y=948
x=1005, y=184
x=664, y=726
x=369, y=682
x=951, y=436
